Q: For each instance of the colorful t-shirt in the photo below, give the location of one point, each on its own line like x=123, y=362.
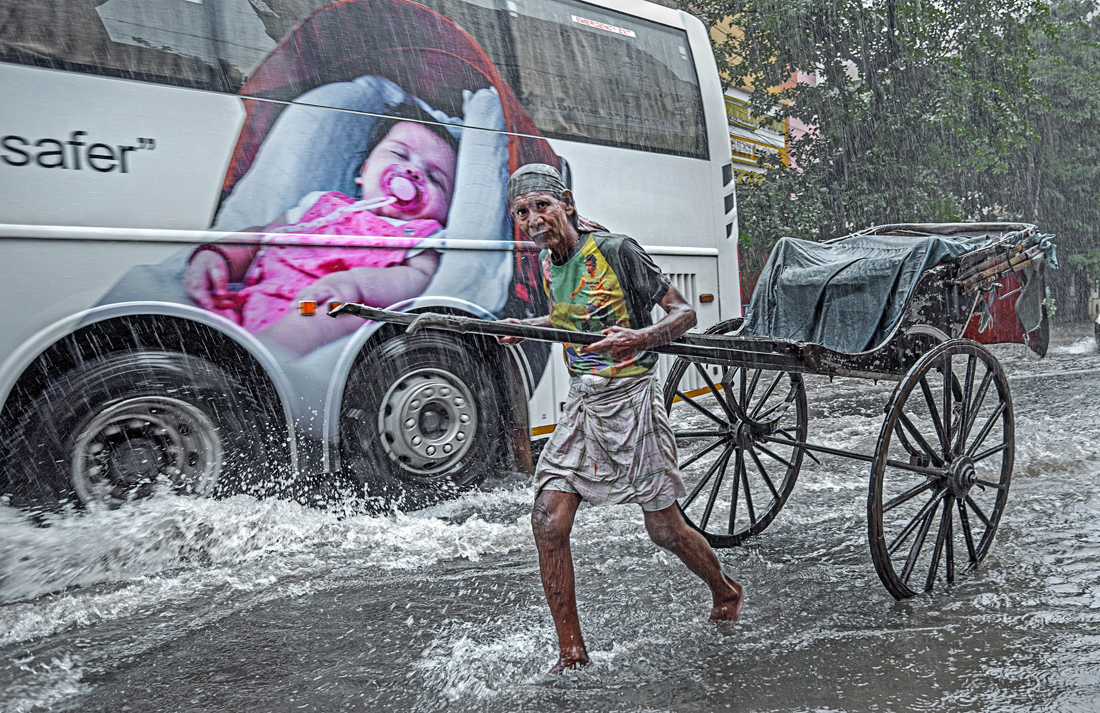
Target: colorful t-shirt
x=606, y=281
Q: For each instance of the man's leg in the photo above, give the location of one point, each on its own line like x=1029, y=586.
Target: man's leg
x=668, y=529
x=552, y=521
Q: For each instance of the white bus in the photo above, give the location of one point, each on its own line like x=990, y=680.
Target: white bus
x=181, y=179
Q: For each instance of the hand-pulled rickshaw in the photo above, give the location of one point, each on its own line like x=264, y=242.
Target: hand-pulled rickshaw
x=916, y=301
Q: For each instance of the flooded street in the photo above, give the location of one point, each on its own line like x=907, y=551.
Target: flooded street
x=243, y=605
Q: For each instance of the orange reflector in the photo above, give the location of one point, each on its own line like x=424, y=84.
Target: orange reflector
x=307, y=308
x=706, y=297
x=334, y=305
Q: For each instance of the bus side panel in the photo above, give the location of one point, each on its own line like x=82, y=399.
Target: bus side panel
x=88, y=151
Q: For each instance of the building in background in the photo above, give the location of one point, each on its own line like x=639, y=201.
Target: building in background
x=756, y=143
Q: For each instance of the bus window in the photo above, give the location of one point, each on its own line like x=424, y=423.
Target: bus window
x=588, y=74
x=163, y=42
x=594, y=75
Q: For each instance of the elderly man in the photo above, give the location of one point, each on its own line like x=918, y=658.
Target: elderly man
x=613, y=443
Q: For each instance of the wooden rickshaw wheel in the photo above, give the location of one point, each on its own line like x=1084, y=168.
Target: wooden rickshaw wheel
x=736, y=482
x=941, y=470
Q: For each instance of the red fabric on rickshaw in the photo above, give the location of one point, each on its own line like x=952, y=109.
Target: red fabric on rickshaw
x=1005, y=327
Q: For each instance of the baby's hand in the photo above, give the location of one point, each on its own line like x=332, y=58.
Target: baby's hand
x=337, y=287
x=206, y=279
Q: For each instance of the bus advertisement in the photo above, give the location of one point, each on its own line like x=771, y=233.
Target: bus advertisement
x=189, y=185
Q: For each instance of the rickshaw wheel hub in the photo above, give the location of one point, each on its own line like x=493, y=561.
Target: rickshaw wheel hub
x=960, y=477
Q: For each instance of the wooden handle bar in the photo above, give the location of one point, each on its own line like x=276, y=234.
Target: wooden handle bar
x=471, y=325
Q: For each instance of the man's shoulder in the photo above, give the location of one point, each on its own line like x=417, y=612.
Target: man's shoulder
x=609, y=243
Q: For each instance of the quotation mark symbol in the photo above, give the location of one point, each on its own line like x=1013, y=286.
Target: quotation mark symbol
x=147, y=144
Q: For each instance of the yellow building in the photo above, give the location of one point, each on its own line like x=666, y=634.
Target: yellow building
x=756, y=143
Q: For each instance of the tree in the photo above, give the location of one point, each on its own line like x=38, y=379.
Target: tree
x=1060, y=190
x=917, y=110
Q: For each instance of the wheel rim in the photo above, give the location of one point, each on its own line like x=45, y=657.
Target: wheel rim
x=428, y=420
x=942, y=469
x=737, y=480
x=125, y=449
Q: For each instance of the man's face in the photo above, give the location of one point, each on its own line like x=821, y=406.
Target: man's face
x=545, y=219
x=422, y=161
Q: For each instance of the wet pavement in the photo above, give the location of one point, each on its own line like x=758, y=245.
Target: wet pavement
x=243, y=605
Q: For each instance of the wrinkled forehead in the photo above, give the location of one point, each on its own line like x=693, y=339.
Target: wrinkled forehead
x=525, y=199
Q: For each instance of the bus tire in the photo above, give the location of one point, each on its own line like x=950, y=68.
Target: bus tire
x=114, y=428
x=420, y=421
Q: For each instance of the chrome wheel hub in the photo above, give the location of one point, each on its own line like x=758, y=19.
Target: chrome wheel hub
x=427, y=420
x=129, y=446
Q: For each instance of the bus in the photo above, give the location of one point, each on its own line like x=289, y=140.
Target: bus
x=188, y=185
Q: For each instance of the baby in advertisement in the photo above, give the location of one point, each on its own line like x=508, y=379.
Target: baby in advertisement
x=343, y=249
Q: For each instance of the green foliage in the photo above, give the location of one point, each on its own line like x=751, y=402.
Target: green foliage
x=964, y=110
x=917, y=107
x=1089, y=263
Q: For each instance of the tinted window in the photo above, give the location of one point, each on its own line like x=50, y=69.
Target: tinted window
x=581, y=72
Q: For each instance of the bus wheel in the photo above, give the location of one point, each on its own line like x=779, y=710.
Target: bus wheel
x=420, y=420
x=126, y=424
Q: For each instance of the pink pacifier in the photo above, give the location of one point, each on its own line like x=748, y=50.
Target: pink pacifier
x=408, y=188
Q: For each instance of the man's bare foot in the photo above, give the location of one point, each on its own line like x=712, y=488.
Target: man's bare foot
x=571, y=657
x=728, y=608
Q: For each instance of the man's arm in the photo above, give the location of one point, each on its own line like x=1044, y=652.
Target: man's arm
x=621, y=342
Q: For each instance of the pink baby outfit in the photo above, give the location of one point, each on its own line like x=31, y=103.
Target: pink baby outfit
x=331, y=235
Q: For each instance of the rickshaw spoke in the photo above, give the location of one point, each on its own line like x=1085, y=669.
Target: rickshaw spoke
x=977, y=511
x=904, y=420
x=910, y=468
x=700, y=454
x=935, y=414
x=752, y=388
x=988, y=484
x=774, y=457
x=767, y=393
x=784, y=432
x=739, y=458
x=968, y=390
x=706, y=477
x=948, y=377
x=906, y=496
x=748, y=495
x=764, y=473
x=691, y=402
x=992, y=451
x=949, y=553
x=918, y=543
x=714, y=390
x=941, y=535
x=908, y=529
x=982, y=434
x=979, y=399
x=770, y=411
x=724, y=461
x=698, y=434
x=964, y=521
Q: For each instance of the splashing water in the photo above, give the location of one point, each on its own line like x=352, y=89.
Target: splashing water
x=242, y=604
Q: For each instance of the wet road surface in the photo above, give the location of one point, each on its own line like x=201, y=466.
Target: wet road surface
x=183, y=605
